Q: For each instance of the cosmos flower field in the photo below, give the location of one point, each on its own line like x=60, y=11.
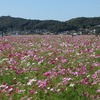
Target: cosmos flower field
x=50, y=67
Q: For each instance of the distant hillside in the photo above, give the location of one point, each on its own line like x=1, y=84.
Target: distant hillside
x=8, y=23
x=83, y=22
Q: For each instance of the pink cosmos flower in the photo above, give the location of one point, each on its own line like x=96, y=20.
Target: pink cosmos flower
x=65, y=80
x=41, y=84
x=19, y=71
x=94, y=76
x=47, y=73
x=98, y=91
x=31, y=91
x=87, y=94
x=63, y=60
x=84, y=81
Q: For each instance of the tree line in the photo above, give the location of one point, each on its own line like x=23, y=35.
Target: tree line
x=8, y=23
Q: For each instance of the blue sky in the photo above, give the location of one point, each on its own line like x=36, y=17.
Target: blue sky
x=50, y=9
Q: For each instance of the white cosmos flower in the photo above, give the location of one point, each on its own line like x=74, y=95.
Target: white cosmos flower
x=71, y=85
x=51, y=89
x=28, y=64
x=48, y=88
x=30, y=81
x=5, y=59
x=88, y=76
x=58, y=90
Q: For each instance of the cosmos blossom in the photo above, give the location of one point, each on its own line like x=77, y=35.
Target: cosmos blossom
x=47, y=66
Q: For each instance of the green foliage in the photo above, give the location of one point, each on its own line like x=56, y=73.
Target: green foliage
x=8, y=23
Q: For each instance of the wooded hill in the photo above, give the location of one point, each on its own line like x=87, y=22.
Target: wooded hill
x=8, y=23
